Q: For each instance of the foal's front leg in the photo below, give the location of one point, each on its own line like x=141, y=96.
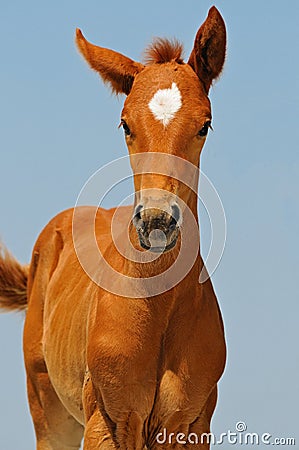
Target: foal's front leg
x=98, y=433
x=101, y=432
x=126, y=436
x=122, y=360
x=193, y=436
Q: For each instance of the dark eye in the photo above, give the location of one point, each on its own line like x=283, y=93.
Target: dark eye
x=204, y=130
x=126, y=128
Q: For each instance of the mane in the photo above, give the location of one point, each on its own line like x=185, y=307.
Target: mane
x=163, y=50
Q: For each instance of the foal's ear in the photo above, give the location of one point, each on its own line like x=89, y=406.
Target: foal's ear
x=208, y=54
x=114, y=68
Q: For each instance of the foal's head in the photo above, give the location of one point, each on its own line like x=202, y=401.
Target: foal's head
x=166, y=112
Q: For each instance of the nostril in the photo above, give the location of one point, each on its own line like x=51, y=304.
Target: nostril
x=173, y=224
x=137, y=212
x=176, y=214
x=137, y=220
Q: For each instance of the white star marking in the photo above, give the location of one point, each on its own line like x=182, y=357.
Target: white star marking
x=165, y=103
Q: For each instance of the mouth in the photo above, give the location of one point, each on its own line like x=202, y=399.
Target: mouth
x=157, y=249
x=158, y=241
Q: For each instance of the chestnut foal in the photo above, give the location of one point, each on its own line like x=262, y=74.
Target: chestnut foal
x=121, y=368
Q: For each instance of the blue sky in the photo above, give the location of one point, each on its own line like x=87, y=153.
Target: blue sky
x=59, y=124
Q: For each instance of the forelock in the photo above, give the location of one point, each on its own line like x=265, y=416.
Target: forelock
x=163, y=50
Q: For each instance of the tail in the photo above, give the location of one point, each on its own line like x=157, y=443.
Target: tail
x=13, y=282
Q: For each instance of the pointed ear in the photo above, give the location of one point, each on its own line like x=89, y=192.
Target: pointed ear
x=208, y=54
x=114, y=68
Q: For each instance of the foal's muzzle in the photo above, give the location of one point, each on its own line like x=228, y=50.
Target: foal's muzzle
x=157, y=227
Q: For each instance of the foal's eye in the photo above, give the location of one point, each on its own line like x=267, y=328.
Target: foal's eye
x=204, y=130
x=125, y=126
